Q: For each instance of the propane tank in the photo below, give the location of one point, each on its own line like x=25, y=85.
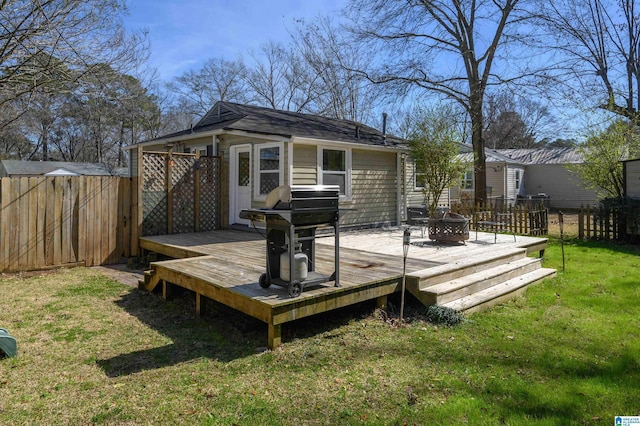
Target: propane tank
x=300, y=266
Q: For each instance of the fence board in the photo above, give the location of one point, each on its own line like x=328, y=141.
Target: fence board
x=14, y=237
x=525, y=219
x=618, y=222
x=23, y=223
x=32, y=246
x=53, y=221
x=40, y=190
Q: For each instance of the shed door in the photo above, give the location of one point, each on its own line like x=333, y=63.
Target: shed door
x=240, y=188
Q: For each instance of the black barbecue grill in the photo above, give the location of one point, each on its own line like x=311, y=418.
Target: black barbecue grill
x=292, y=214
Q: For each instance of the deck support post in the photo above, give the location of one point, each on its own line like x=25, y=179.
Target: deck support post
x=275, y=335
x=198, y=305
x=167, y=290
x=381, y=302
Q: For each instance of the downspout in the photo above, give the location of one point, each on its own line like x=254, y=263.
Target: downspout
x=399, y=180
x=289, y=146
x=506, y=183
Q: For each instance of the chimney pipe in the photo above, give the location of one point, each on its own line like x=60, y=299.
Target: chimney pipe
x=384, y=128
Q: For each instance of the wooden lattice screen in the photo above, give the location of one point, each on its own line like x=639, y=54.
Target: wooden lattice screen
x=180, y=193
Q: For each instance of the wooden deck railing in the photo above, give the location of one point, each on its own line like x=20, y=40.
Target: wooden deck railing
x=526, y=219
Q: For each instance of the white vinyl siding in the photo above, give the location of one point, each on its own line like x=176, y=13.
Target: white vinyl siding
x=374, y=188
x=305, y=170
x=565, y=190
x=633, y=178
x=415, y=196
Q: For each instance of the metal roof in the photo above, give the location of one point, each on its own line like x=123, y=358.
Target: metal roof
x=267, y=121
x=491, y=156
x=40, y=168
x=544, y=155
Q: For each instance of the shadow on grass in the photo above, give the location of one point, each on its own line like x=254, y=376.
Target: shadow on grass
x=221, y=333
x=218, y=335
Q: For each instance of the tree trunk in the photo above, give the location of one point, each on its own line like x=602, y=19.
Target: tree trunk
x=479, y=169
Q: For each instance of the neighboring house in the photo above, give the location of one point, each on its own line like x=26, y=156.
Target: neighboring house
x=505, y=177
x=514, y=175
x=264, y=148
x=547, y=173
x=632, y=178
x=19, y=168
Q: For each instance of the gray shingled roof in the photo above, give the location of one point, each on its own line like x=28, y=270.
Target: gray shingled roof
x=253, y=119
x=544, y=155
x=39, y=168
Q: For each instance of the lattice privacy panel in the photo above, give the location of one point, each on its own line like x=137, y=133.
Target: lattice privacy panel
x=154, y=194
x=210, y=193
x=182, y=194
x=182, y=187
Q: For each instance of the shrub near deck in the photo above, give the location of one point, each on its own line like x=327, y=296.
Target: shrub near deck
x=95, y=351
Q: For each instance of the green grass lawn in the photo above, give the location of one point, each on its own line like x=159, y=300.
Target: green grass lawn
x=92, y=350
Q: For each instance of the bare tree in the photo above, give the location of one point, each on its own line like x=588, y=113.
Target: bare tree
x=343, y=92
x=217, y=80
x=46, y=42
x=281, y=79
x=448, y=47
x=599, y=46
x=516, y=122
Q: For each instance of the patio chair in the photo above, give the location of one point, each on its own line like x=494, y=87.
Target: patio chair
x=494, y=221
x=418, y=216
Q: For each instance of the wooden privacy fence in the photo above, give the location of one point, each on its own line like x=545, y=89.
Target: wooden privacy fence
x=57, y=221
x=620, y=222
x=526, y=219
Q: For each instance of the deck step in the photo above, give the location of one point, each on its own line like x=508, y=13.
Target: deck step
x=149, y=281
x=473, y=283
x=419, y=280
x=499, y=293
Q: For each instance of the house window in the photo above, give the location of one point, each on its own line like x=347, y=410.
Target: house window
x=467, y=180
x=517, y=179
x=335, y=169
x=201, y=150
x=419, y=179
x=269, y=168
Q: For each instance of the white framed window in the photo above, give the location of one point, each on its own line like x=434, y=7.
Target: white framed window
x=269, y=168
x=419, y=181
x=334, y=168
x=200, y=149
x=467, y=180
x=517, y=179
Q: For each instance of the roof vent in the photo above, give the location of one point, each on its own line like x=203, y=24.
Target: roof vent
x=357, y=132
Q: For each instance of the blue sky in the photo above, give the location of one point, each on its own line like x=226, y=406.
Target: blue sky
x=185, y=33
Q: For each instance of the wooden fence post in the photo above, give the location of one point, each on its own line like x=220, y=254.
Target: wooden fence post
x=196, y=192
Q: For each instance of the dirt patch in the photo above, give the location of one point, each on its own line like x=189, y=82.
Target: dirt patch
x=570, y=227
x=121, y=274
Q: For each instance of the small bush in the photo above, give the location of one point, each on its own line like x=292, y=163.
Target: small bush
x=437, y=314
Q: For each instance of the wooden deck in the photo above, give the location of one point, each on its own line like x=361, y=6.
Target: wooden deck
x=225, y=266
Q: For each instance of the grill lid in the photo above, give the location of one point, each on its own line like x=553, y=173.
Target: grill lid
x=281, y=198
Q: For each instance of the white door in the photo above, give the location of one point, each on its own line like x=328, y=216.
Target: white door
x=240, y=178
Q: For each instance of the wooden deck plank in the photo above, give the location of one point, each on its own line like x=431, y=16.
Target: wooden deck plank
x=225, y=266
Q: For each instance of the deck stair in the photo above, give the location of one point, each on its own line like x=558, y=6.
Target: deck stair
x=149, y=282
x=477, y=282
